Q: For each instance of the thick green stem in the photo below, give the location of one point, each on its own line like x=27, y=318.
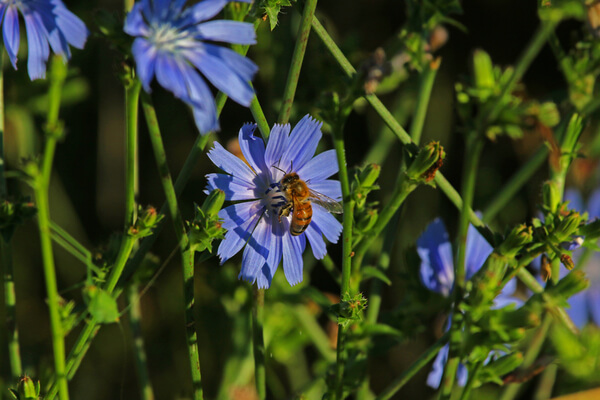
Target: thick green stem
x=297, y=58
x=259, y=117
x=474, y=147
x=139, y=353
x=10, y=296
x=348, y=220
x=466, y=393
x=426, y=81
x=132, y=96
x=58, y=343
x=414, y=368
x=187, y=255
x=258, y=344
x=41, y=188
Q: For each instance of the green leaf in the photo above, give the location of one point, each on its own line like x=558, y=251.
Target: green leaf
x=101, y=305
x=382, y=329
x=373, y=272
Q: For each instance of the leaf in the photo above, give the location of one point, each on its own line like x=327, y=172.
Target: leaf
x=382, y=329
x=373, y=272
x=101, y=305
x=273, y=8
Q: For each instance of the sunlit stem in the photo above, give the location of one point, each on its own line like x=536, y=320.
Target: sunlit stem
x=57, y=75
x=135, y=319
x=474, y=146
x=297, y=59
x=187, y=255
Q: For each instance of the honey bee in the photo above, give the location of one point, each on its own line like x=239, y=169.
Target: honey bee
x=299, y=197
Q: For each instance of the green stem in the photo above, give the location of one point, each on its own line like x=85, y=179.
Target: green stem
x=533, y=350
x=58, y=344
x=547, y=380
x=297, y=58
x=466, y=393
x=348, y=220
x=258, y=344
x=426, y=81
x=187, y=255
x=259, y=117
x=474, y=146
x=10, y=296
x=390, y=121
x=41, y=188
x=415, y=367
x=132, y=96
x=511, y=188
x=139, y=353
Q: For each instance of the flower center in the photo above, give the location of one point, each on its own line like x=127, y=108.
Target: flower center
x=274, y=199
x=168, y=38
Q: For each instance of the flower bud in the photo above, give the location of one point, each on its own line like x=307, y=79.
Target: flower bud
x=207, y=225
x=483, y=69
x=148, y=218
x=591, y=230
x=213, y=203
x=429, y=159
x=573, y=283
x=551, y=195
x=369, y=175
x=503, y=365
x=367, y=220
x=516, y=239
x=567, y=227
x=27, y=389
x=567, y=261
x=545, y=268
x=350, y=308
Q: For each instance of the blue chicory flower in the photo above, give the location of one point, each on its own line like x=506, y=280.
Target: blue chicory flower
x=49, y=24
x=437, y=274
x=254, y=222
x=171, y=43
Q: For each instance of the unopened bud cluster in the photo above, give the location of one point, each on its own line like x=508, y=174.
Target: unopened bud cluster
x=365, y=213
x=27, y=389
x=206, y=225
x=426, y=163
x=148, y=218
x=350, y=308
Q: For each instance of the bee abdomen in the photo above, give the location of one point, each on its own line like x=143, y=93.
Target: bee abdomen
x=301, y=218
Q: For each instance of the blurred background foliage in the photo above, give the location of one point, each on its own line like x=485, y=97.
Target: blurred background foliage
x=87, y=200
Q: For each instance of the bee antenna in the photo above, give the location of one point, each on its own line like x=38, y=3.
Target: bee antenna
x=278, y=168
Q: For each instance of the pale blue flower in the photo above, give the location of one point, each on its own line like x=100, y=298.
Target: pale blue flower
x=49, y=25
x=253, y=223
x=437, y=274
x=172, y=43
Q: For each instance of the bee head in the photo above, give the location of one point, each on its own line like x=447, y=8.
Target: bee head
x=289, y=179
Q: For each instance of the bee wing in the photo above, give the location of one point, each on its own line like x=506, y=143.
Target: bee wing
x=327, y=203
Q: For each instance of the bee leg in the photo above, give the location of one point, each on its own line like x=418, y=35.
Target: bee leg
x=285, y=210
